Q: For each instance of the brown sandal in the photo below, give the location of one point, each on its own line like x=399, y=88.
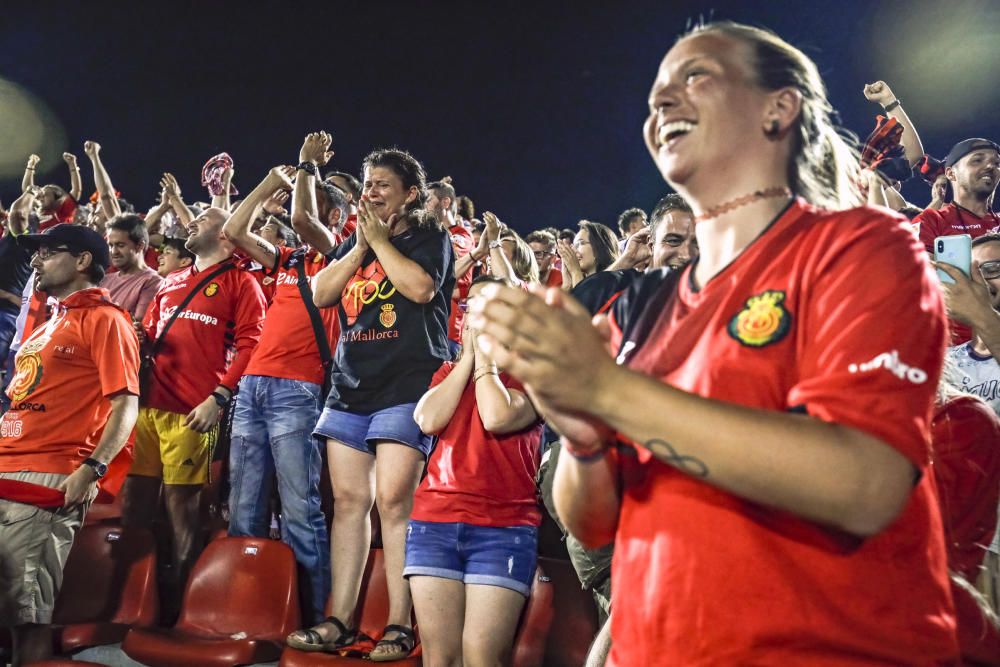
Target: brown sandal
x=406, y=641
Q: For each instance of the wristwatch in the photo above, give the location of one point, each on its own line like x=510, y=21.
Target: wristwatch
x=220, y=399
x=100, y=469
x=495, y=244
x=309, y=167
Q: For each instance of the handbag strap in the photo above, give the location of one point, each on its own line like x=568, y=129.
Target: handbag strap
x=298, y=258
x=155, y=347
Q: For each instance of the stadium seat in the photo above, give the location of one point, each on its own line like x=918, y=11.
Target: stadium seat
x=240, y=603
x=63, y=662
x=373, y=610
x=575, y=613
x=536, y=623
x=105, y=512
x=109, y=585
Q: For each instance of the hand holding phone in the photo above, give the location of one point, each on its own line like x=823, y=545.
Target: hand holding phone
x=955, y=250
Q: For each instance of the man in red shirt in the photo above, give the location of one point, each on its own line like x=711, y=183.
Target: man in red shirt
x=441, y=201
x=194, y=371
x=281, y=396
x=74, y=402
x=973, y=167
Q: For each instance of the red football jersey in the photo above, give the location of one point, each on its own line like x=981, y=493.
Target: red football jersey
x=287, y=347
x=837, y=315
x=209, y=343
x=951, y=220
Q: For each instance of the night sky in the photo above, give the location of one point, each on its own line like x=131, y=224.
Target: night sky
x=534, y=110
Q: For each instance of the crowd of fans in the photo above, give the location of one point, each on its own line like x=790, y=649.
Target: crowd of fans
x=740, y=430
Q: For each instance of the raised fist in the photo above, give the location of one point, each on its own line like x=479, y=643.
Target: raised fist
x=33, y=161
x=91, y=148
x=69, y=159
x=879, y=92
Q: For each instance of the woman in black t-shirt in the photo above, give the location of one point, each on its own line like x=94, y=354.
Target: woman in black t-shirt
x=392, y=283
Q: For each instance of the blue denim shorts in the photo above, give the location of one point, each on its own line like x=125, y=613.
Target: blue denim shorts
x=502, y=557
x=362, y=431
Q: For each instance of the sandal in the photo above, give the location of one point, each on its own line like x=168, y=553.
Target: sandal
x=312, y=641
x=406, y=641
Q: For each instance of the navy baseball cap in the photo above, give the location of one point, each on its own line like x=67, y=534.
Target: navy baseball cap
x=966, y=146
x=75, y=237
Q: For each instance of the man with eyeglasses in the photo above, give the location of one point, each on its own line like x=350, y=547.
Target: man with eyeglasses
x=974, y=302
x=74, y=401
x=543, y=246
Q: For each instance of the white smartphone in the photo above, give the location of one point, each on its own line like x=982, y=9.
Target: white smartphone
x=955, y=250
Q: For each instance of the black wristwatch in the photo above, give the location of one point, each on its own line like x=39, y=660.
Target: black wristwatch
x=220, y=399
x=100, y=469
x=309, y=167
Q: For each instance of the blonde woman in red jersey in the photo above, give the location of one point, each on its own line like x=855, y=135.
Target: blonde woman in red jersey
x=759, y=452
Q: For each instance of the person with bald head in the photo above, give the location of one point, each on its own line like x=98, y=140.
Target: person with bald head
x=198, y=334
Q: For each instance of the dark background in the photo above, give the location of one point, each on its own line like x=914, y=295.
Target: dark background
x=534, y=110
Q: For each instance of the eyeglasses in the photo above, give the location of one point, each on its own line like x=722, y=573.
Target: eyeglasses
x=542, y=254
x=990, y=270
x=45, y=253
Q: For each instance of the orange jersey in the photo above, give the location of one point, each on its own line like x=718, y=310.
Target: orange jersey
x=837, y=316
x=65, y=373
x=210, y=342
x=288, y=347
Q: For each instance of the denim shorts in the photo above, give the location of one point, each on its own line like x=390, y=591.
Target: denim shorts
x=362, y=431
x=471, y=554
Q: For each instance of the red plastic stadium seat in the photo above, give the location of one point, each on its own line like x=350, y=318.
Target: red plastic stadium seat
x=63, y=662
x=576, y=616
x=240, y=603
x=373, y=610
x=536, y=623
x=109, y=585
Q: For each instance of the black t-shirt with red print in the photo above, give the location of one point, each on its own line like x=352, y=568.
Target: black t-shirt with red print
x=389, y=346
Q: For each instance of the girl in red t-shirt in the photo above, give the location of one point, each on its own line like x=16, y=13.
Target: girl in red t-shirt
x=472, y=539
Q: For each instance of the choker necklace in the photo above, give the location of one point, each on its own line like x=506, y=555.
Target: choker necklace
x=726, y=207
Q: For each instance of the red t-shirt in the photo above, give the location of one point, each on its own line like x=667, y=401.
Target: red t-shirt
x=287, y=347
x=261, y=275
x=461, y=241
x=65, y=212
x=952, y=219
x=966, y=437
x=554, y=278
x=837, y=315
x=209, y=344
x=477, y=477
x=64, y=375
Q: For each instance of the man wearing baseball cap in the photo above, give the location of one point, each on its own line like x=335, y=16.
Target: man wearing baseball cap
x=973, y=167
x=74, y=401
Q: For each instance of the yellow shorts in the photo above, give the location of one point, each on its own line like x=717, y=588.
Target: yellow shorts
x=165, y=447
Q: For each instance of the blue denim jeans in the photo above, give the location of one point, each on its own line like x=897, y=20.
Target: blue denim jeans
x=272, y=434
